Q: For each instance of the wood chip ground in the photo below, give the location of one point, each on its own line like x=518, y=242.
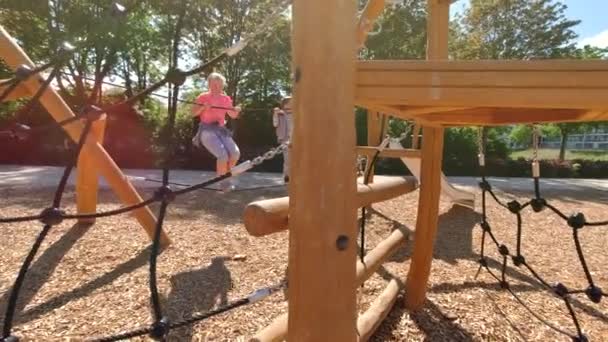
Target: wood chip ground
x=93, y=281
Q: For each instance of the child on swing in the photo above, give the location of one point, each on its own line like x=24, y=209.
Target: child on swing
x=212, y=133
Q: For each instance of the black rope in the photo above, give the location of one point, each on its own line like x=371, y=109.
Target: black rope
x=197, y=317
x=576, y=222
x=49, y=218
x=14, y=296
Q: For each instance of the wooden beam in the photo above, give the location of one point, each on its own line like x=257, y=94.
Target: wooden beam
x=369, y=322
x=566, y=98
x=368, y=17
x=395, y=110
x=323, y=213
x=388, y=153
x=484, y=79
x=507, y=116
x=430, y=171
x=490, y=65
x=271, y=215
x=416, y=130
x=14, y=56
x=15, y=94
x=87, y=176
x=277, y=330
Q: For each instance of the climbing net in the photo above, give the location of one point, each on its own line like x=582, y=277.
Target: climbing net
x=575, y=221
x=54, y=214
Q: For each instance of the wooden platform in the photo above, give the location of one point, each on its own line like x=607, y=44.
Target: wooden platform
x=485, y=92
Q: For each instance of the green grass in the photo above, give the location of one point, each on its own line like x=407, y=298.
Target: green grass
x=554, y=153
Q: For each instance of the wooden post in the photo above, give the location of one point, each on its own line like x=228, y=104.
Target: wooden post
x=416, y=136
x=322, y=241
x=430, y=177
x=374, y=136
x=14, y=56
x=87, y=177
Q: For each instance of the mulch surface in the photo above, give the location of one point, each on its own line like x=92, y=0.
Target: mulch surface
x=90, y=281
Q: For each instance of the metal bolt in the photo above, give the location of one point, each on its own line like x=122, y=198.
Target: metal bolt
x=342, y=242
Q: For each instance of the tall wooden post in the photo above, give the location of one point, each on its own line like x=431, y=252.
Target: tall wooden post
x=322, y=239
x=430, y=174
x=87, y=178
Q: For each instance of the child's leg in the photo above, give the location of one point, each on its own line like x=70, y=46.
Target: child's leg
x=213, y=143
x=233, y=151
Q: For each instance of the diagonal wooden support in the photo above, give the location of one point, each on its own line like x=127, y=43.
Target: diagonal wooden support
x=14, y=56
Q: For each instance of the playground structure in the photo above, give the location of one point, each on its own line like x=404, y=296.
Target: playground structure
x=321, y=209
x=435, y=93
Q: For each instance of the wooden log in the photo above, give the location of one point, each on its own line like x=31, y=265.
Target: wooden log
x=87, y=177
x=370, y=13
x=14, y=56
x=323, y=211
x=271, y=216
x=430, y=173
x=17, y=93
x=379, y=309
x=387, y=152
x=277, y=330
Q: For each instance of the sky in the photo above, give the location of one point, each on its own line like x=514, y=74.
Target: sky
x=592, y=30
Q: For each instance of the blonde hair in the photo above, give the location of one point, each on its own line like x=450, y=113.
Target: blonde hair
x=216, y=76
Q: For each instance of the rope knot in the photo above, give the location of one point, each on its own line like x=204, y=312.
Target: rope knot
x=52, y=216
x=176, y=76
x=485, y=186
x=514, y=206
x=485, y=226
x=504, y=251
x=594, y=293
x=519, y=260
x=160, y=329
x=165, y=194
x=538, y=204
x=483, y=262
x=560, y=290
x=577, y=221
x=23, y=72
x=581, y=338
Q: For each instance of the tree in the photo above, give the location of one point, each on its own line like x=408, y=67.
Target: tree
x=514, y=29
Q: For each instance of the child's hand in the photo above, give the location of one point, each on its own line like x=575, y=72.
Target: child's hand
x=237, y=109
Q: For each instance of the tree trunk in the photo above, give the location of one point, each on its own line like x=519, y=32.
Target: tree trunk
x=562, y=145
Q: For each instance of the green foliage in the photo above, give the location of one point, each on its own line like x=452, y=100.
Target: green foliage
x=514, y=29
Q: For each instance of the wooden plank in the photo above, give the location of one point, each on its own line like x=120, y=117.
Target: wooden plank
x=368, y=17
x=322, y=241
x=395, y=110
x=369, y=322
x=388, y=153
x=271, y=216
x=277, y=330
x=15, y=94
x=507, y=116
x=485, y=97
x=14, y=56
x=416, y=136
x=87, y=177
x=430, y=171
x=443, y=64
x=484, y=79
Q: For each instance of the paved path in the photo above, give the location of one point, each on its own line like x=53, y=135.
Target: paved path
x=47, y=176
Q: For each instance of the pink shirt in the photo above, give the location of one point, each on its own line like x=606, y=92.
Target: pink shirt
x=212, y=115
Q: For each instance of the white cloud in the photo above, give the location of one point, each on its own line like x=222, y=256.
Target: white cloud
x=599, y=40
